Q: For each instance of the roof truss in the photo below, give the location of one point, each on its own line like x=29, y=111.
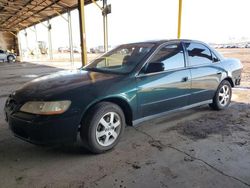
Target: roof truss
x=16, y=15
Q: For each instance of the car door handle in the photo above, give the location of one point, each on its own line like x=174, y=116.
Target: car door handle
x=219, y=72
x=184, y=79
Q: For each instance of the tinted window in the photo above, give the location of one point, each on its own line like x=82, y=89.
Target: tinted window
x=198, y=54
x=171, y=56
x=1, y=51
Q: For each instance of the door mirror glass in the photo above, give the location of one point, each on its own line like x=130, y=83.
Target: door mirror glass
x=154, y=67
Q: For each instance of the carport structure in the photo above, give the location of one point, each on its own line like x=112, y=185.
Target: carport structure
x=17, y=15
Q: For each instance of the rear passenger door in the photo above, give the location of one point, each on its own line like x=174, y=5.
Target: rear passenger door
x=204, y=73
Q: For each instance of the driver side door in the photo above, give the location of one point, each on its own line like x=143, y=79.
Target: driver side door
x=166, y=89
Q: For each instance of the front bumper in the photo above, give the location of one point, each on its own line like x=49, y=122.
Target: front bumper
x=44, y=130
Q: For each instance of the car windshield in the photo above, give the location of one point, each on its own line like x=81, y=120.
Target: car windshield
x=122, y=59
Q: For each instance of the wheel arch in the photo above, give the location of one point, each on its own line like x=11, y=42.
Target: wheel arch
x=122, y=103
x=230, y=80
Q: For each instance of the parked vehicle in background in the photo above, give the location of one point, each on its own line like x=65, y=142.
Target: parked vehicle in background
x=67, y=50
x=7, y=56
x=63, y=49
x=99, y=49
x=125, y=86
x=247, y=45
x=76, y=49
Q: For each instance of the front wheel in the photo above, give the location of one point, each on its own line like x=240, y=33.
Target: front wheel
x=103, y=126
x=222, y=96
x=11, y=58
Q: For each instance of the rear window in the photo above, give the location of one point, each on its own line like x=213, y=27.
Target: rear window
x=198, y=54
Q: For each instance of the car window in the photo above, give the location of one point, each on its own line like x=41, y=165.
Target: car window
x=122, y=59
x=198, y=54
x=1, y=51
x=171, y=56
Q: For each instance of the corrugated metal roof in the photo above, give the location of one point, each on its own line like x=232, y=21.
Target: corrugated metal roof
x=16, y=15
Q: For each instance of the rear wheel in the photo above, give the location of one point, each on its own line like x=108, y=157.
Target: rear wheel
x=222, y=96
x=103, y=127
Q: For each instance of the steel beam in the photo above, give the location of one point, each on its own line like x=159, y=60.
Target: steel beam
x=50, y=42
x=82, y=31
x=20, y=46
x=105, y=26
x=34, y=13
x=37, y=48
x=26, y=39
x=70, y=37
x=12, y=33
x=179, y=19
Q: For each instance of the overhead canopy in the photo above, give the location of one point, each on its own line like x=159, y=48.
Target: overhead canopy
x=16, y=15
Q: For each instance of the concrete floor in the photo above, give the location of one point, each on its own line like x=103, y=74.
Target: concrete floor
x=195, y=148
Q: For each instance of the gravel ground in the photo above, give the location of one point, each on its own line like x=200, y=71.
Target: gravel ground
x=194, y=148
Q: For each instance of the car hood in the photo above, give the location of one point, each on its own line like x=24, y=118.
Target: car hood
x=61, y=82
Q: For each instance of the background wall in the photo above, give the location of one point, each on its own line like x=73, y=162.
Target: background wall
x=8, y=41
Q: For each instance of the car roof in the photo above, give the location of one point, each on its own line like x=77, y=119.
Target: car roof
x=159, y=42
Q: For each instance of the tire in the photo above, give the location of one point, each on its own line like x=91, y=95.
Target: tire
x=10, y=58
x=222, y=96
x=103, y=127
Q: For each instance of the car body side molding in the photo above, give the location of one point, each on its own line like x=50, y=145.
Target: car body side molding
x=136, y=123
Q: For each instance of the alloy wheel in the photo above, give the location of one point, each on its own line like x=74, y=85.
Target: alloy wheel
x=224, y=95
x=108, y=129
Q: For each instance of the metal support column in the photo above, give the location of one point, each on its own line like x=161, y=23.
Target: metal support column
x=15, y=34
x=35, y=34
x=37, y=49
x=19, y=47
x=82, y=31
x=70, y=38
x=105, y=25
x=179, y=19
x=26, y=39
x=50, y=43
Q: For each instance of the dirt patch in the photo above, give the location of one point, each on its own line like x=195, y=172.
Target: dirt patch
x=168, y=172
x=236, y=118
x=157, y=144
x=135, y=165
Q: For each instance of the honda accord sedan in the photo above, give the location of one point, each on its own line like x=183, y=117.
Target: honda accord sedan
x=125, y=86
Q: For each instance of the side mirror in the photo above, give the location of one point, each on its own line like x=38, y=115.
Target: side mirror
x=154, y=67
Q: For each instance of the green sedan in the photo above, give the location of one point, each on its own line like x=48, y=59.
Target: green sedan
x=126, y=86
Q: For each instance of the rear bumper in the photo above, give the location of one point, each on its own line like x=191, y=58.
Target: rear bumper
x=44, y=130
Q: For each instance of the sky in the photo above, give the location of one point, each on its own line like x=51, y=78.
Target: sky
x=212, y=21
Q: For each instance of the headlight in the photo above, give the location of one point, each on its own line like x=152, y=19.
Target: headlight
x=45, y=108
